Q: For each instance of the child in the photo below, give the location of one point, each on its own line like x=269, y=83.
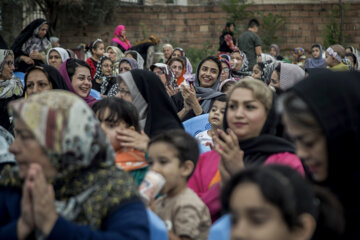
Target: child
x=174, y=154
x=299, y=57
x=317, y=60
x=258, y=71
x=117, y=115
x=216, y=116
x=334, y=58
x=97, y=50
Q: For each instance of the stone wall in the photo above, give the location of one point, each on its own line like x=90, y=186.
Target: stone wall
x=193, y=26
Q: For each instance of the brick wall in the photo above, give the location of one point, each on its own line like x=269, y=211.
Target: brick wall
x=192, y=26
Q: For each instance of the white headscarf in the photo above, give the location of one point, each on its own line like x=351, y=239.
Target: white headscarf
x=62, y=52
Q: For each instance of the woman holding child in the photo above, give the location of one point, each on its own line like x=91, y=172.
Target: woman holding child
x=248, y=139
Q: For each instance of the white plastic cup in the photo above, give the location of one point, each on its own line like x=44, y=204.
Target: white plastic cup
x=151, y=186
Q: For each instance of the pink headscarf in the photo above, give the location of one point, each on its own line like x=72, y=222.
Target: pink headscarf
x=64, y=73
x=117, y=34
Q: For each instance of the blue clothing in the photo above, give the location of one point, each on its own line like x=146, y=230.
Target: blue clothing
x=130, y=221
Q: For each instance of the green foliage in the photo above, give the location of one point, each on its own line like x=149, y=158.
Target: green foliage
x=271, y=23
x=143, y=30
x=237, y=10
x=332, y=33
x=195, y=55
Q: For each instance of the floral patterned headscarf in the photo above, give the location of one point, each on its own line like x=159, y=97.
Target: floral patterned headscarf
x=9, y=87
x=72, y=138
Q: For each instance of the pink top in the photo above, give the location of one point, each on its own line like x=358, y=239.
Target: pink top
x=117, y=34
x=207, y=167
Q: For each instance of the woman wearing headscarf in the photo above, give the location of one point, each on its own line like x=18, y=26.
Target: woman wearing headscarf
x=115, y=54
x=32, y=44
x=166, y=76
x=321, y=113
x=316, y=60
x=103, y=81
x=248, y=139
x=145, y=90
x=137, y=57
x=299, y=57
x=146, y=48
x=77, y=76
x=67, y=185
x=196, y=99
x=356, y=53
x=11, y=87
x=179, y=52
x=127, y=64
x=41, y=78
x=239, y=64
x=120, y=40
x=227, y=40
x=275, y=52
x=56, y=56
x=285, y=75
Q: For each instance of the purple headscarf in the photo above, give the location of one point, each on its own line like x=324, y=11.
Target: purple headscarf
x=64, y=73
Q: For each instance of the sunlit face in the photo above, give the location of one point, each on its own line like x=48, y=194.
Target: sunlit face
x=272, y=52
x=112, y=54
x=208, y=73
x=315, y=51
x=245, y=115
x=124, y=67
x=99, y=50
x=275, y=79
x=124, y=92
x=81, y=81
x=310, y=147
x=110, y=129
x=257, y=72
x=163, y=159
x=253, y=217
x=177, y=68
x=55, y=59
x=177, y=53
x=36, y=82
x=216, y=114
x=167, y=51
x=236, y=56
x=8, y=68
x=160, y=73
x=225, y=72
x=43, y=30
x=106, y=67
x=27, y=150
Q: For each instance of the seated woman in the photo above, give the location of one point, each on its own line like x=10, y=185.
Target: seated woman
x=285, y=75
x=146, y=48
x=283, y=201
x=225, y=69
x=56, y=56
x=248, y=139
x=103, y=80
x=316, y=60
x=115, y=54
x=41, y=78
x=31, y=46
x=275, y=52
x=179, y=52
x=178, y=66
x=321, y=114
x=166, y=76
x=299, y=57
x=77, y=76
x=136, y=56
x=239, y=64
x=127, y=64
x=196, y=99
x=11, y=87
x=67, y=185
x=156, y=110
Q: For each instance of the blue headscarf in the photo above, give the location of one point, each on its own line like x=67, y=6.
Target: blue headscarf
x=316, y=62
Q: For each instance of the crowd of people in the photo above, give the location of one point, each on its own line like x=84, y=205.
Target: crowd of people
x=91, y=148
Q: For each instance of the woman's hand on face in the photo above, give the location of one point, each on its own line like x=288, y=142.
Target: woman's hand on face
x=26, y=222
x=43, y=196
x=132, y=139
x=227, y=145
x=27, y=60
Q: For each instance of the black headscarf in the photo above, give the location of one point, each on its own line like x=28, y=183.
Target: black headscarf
x=258, y=149
x=153, y=103
x=24, y=35
x=53, y=74
x=334, y=99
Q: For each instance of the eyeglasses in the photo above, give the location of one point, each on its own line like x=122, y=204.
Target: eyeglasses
x=10, y=63
x=124, y=92
x=159, y=72
x=226, y=70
